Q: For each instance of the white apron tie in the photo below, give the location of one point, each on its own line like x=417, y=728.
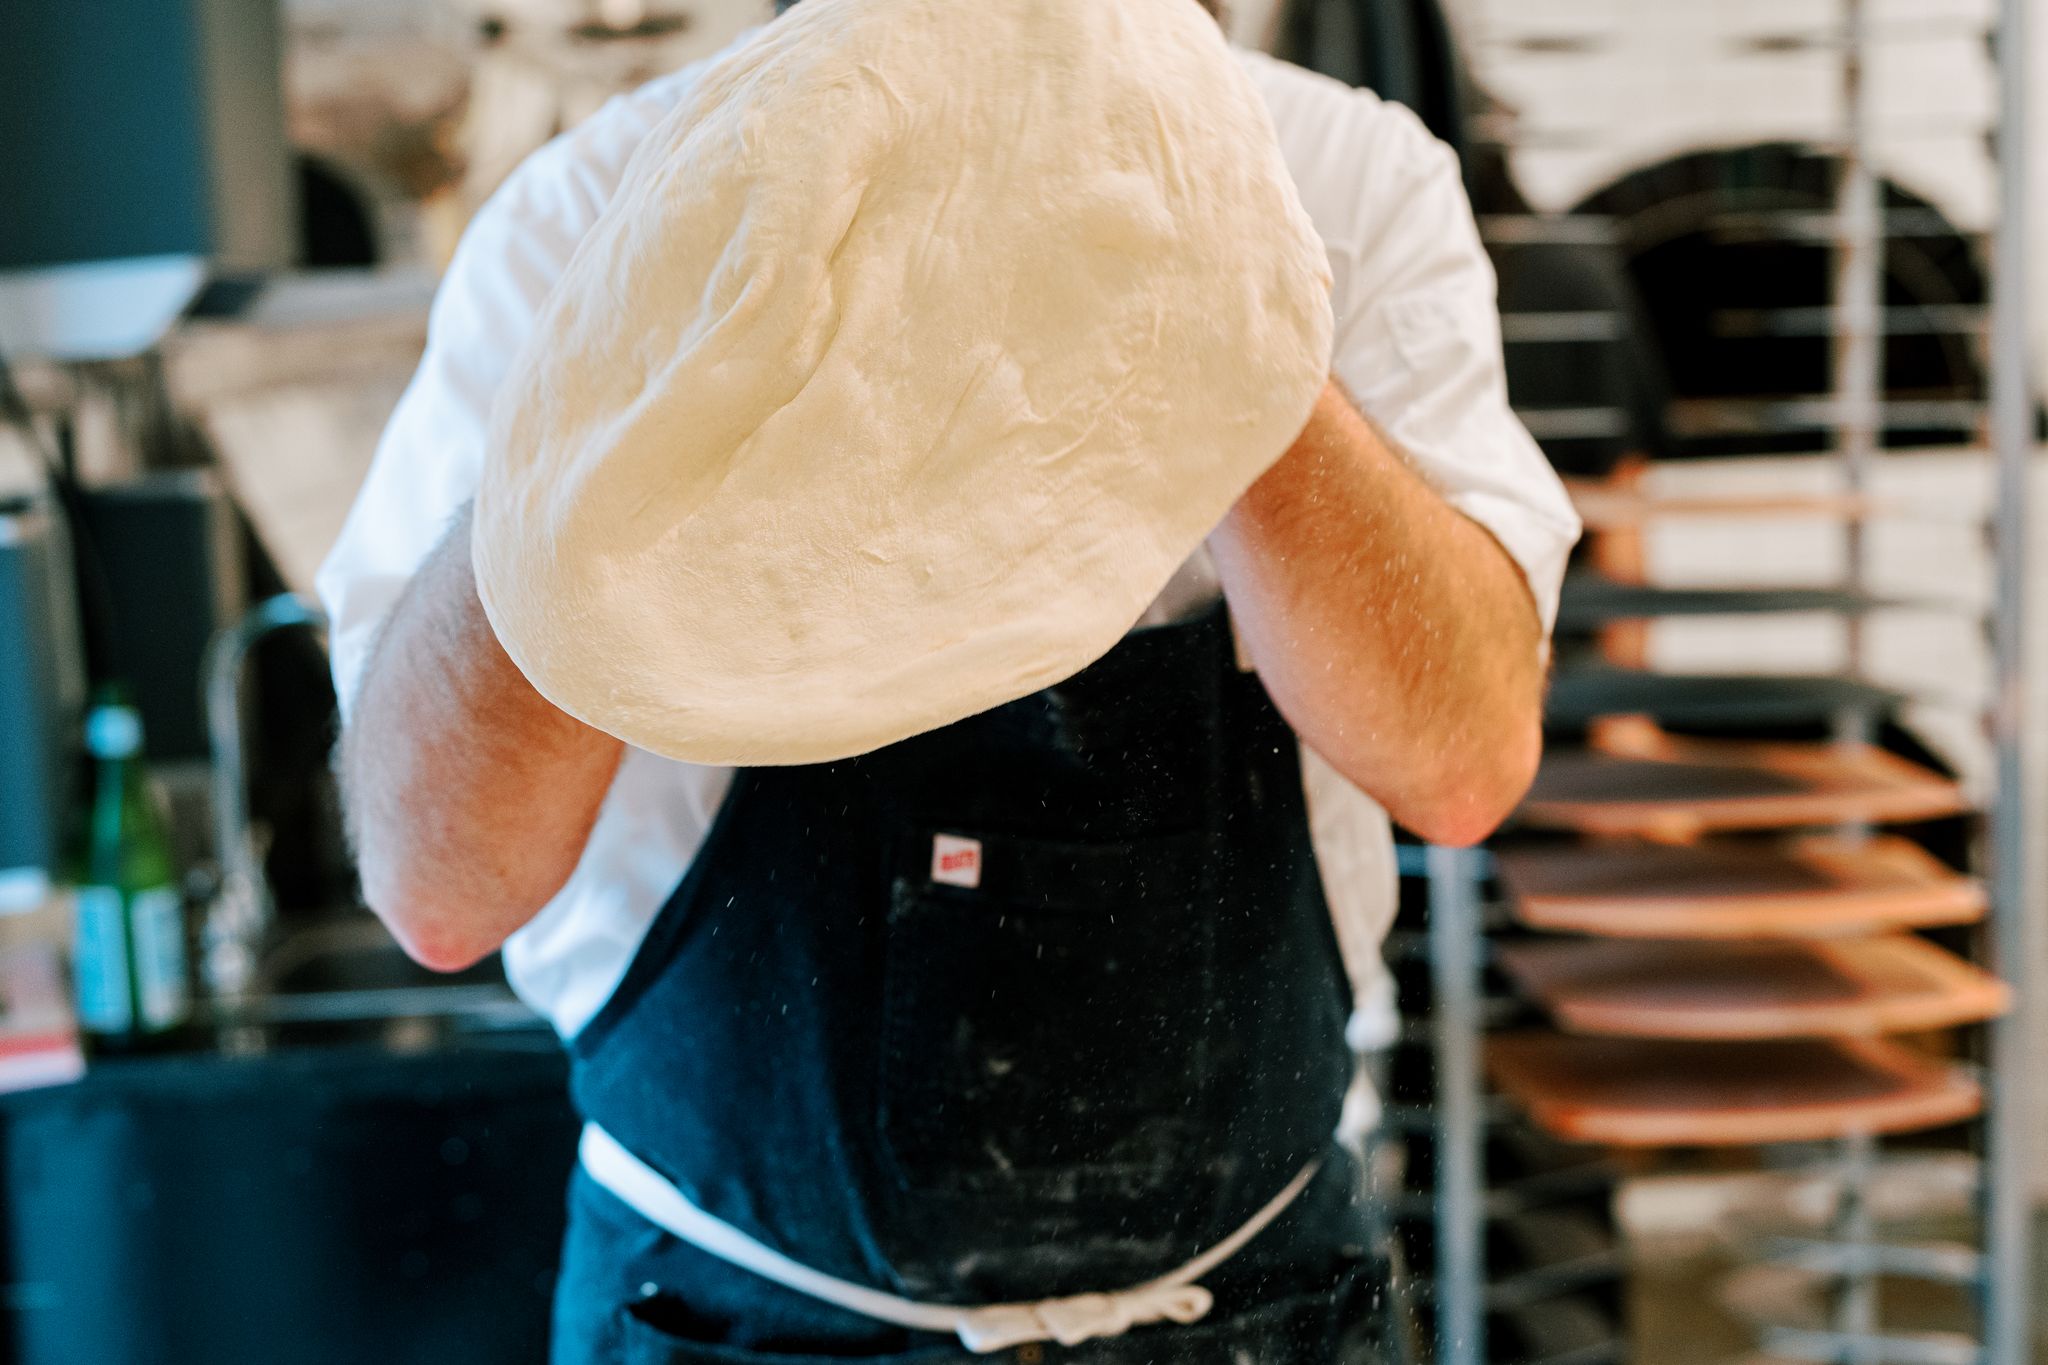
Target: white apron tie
x=1069, y=1321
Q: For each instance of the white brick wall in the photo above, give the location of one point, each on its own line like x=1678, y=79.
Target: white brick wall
x=1666, y=78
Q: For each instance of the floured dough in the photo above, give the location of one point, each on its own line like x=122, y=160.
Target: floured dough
x=918, y=348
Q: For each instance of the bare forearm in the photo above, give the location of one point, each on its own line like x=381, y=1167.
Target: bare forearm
x=469, y=796
x=1395, y=634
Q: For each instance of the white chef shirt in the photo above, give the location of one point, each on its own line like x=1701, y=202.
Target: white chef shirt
x=1417, y=345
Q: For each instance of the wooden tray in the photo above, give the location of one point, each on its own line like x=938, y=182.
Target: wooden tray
x=1630, y=1093
x=1693, y=787
x=1580, y=695
x=1604, y=507
x=1590, y=600
x=1636, y=988
x=1789, y=1308
x=1804, y=887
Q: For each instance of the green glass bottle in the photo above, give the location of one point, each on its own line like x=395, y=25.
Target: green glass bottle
x=128, y=950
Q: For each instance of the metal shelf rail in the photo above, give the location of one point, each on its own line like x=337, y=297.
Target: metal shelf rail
x=1851, y=1257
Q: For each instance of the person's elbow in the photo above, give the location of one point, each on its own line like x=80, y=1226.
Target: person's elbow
x=434, y=925
x=1477, y=780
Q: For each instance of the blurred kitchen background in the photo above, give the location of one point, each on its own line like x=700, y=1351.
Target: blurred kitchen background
x=1757, y=312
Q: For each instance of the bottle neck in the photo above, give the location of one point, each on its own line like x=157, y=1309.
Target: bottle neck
x=109, y=818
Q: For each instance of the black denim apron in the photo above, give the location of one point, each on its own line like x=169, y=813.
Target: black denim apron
x=1071, y=1076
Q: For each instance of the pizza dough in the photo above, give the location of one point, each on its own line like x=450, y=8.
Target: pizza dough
x=918, y=348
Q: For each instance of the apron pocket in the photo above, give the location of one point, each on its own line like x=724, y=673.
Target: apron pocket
x=1046, y=1029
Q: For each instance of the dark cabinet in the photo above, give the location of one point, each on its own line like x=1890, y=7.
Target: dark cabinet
x=303, y=1207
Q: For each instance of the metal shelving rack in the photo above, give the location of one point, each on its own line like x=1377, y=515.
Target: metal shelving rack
x=1458, y=884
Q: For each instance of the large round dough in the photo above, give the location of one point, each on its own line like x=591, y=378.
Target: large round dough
x=919, y=347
